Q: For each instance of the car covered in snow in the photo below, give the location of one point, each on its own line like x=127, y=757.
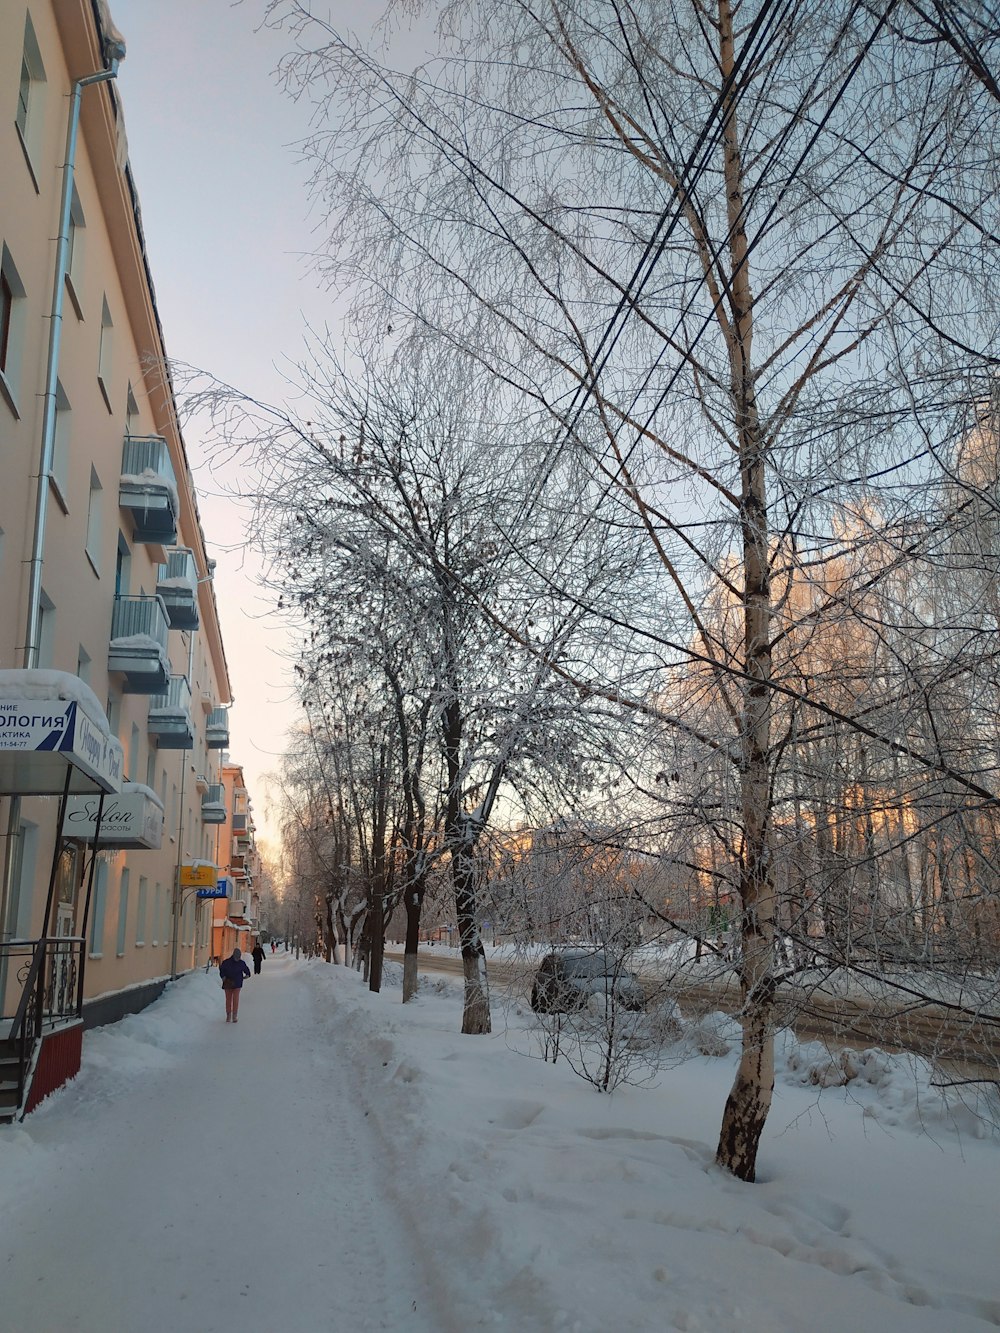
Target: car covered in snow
x=568, y=979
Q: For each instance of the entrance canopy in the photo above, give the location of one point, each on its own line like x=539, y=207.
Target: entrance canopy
x=51, y=723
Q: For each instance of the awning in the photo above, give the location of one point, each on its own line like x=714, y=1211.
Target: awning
x=51, y=723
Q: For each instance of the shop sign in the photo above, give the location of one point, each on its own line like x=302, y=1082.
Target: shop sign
x=199, y=875
x=62, y=727
x=130, y=819
x=221, y=890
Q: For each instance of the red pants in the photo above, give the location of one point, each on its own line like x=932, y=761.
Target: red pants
x=232, y=1001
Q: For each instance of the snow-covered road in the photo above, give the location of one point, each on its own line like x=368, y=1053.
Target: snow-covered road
x=340, y=1162
x=232, y=1182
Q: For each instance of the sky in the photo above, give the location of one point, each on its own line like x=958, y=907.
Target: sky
x=228, y=230
x=338, y=1160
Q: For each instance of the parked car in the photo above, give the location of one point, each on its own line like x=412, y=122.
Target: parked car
x=567, y=978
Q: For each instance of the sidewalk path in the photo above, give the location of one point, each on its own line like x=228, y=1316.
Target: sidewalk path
x=222, y=1178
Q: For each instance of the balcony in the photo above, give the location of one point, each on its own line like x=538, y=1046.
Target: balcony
x=138, y=647
x=213, y=804
x=217, y=729
x=170, y=716
x=148, y=489
x=178, y=586
x=240, y=825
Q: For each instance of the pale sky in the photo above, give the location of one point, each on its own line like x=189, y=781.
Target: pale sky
x=226, y=217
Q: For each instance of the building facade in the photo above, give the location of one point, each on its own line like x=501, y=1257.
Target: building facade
x=105, y=578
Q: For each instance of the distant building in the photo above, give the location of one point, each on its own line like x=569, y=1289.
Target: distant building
x=237, y=917
x=113, y=677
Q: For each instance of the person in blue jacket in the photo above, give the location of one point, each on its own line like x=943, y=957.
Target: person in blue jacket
x=232, y=970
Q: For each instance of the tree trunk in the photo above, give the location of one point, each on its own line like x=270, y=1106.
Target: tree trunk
x=750, y=1098
x=413, y=900
x=476, y=1010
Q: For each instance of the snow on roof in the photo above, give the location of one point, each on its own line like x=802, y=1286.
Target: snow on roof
x=43, y=684
x=146, y=791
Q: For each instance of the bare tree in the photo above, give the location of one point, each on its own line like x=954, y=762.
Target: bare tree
x=733, y=265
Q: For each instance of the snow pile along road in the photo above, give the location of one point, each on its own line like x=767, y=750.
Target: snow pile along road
x=340, y=1161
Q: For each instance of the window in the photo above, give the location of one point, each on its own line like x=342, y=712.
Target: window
x=45, y=655
x=131, y=413
x=60, y=448
x=22, y=879
x=123, y=567
x=122, y=913
x=74, y=256
x=104, y=354
x=11, y=329
x=140, y=912
x=157, y=909
x=83, y=665
x=30, y=104
x=151, y=770
x=114, y=713
x=133, y=755
x=95, y=513
x=23, y=98
x=97, y=909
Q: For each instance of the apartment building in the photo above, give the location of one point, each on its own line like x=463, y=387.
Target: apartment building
x=113, y=678
x=236, y=922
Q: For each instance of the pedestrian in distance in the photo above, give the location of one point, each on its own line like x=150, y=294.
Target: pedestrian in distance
x=258, y=958
x=232, y=970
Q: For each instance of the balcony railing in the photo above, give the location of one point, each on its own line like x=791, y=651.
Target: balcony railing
x=217, y=729
x=177, y=584
x=213, y=804
x=138, y=646
x=148, y=489
x=170, y=716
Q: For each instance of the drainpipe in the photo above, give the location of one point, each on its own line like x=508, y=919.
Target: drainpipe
x=114, y=53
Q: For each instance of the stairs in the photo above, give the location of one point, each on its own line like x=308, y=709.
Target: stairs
x=10, y=1087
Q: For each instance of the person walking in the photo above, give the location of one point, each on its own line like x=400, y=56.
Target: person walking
x=258, y=958
x=232, y=970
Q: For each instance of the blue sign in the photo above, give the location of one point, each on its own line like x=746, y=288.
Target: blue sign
x=218, y=892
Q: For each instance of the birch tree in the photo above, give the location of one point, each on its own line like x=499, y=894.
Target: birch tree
x=731, y=262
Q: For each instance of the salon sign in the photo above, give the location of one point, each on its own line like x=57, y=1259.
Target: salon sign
x=129, y=819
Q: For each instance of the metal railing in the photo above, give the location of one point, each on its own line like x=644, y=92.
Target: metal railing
x=217, y=729
x=176, y=698
x=140, y=615
x=147, y=453
x=47, y=976
x=180, y=565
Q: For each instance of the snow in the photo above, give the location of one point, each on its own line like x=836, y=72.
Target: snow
x=44, y=685
x=339, y=1160
x=147, y=792
x=154, y=483
x=144, y=641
